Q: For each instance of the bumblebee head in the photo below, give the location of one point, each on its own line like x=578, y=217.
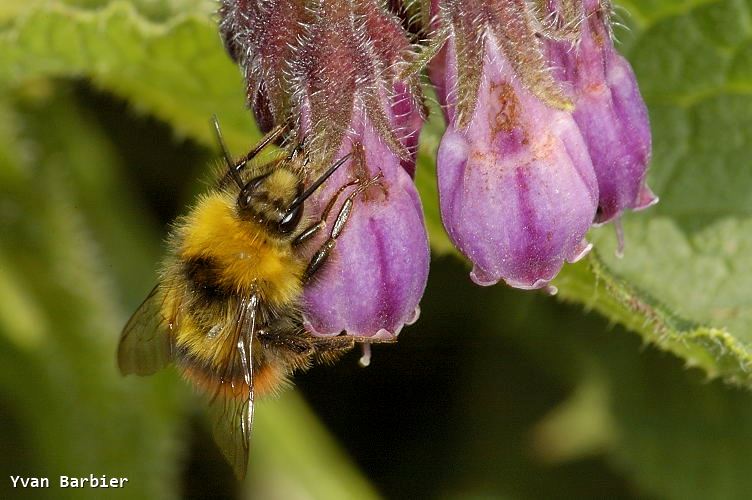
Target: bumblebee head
x=274, y=199
x=269, y=200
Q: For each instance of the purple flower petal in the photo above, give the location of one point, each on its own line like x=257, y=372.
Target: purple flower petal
x=373, y=282
x=610, y=112
x=517, y=188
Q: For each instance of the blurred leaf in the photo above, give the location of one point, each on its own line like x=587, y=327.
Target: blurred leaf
x=175, y=69
x=679, y=435
x=671, y=430
x=578, y=428
x=425, y=177
x=295, y=451
x=59, y=326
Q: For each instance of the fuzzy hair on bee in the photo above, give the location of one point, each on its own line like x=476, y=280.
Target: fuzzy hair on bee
x=226, y=310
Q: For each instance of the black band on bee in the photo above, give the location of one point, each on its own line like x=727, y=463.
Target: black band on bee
x=203, y=276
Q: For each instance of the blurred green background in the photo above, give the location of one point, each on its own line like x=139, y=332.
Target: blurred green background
x=494, y=393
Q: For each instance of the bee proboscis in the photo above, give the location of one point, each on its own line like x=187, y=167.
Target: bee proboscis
x=226, y=310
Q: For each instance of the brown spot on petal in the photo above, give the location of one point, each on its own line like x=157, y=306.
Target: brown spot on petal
x=378, y=192
x=506, y=118
x=544, y=147
x=479, y=157
x=596, y=29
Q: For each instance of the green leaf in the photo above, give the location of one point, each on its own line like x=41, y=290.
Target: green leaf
x=175, y=69
x=60, y=319
x=299, y=457
x=673, y=432
x=679, y=436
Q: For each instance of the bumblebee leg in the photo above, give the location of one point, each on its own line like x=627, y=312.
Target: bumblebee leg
x=270, y=137
x=330, y=349
x=314, y=228
x=285, y=340
x=322, y=254
x=371, y=340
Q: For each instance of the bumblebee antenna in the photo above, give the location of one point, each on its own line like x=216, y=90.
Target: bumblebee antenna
x=317, y=183
x=228, y=160
x=269, y=138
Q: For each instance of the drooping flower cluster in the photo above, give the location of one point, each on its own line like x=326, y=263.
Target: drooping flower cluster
x=332, y=67
x=608, y=110
x=546, y=135
x=516, y=184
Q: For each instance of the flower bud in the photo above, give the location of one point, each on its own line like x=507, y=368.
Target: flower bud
x=609, y=110
x=373, y=282
x=323, y=56
x=517, y=187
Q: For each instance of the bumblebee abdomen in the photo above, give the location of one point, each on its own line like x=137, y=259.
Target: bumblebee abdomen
x=225, y=254
x=229, y=381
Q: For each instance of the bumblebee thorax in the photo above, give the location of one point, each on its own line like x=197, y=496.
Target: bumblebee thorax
x=268, y=200
x=243, y=255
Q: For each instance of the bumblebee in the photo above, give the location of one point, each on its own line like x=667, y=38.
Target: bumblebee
x=226, y=310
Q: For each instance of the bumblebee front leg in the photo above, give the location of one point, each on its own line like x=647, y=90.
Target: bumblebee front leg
x=314, y=229
x=322, y=254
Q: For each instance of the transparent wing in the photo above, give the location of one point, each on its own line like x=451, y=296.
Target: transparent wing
x=231, y=407
x=145, y=343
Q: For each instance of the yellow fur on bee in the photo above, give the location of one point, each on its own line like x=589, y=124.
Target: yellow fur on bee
x=267, y=379
x=203, y=346
x=283, y=183
x=206, y=350
x=246, y=257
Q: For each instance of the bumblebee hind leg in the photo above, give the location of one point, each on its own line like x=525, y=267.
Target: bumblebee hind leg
x=330, y=349
x=300, y=350
x=327, y=350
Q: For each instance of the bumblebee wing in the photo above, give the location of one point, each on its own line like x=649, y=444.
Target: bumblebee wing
x=231, y=408
x=145, y=344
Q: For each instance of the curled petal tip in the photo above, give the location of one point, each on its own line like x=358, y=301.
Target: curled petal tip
x=535, y=285
x=314, y=331
x=550, y=290
x=412, y=319
x=645, y=198
x=384, y=334
x=481, y=277
x=579, y=252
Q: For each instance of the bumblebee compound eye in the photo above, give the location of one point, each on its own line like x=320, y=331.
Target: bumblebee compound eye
x=290, y=220
x=247, y=194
